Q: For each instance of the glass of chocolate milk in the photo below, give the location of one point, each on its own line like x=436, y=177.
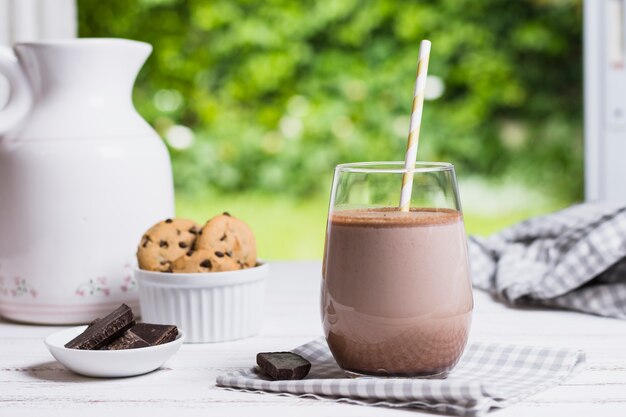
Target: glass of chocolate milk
x=396, y=291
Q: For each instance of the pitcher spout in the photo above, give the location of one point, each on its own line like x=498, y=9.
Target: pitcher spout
x=101, y=68
x=83, y=83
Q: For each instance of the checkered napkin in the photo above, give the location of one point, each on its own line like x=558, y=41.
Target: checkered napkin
x=573, y=259
x=487, y=376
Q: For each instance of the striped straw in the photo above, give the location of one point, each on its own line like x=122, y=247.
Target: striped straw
x=414, y=126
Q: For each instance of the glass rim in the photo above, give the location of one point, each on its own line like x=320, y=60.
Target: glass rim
x=394, y=167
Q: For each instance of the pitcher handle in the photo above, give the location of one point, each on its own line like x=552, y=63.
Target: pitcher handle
x=20, y=96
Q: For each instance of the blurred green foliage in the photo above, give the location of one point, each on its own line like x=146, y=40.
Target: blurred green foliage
x=277, y=92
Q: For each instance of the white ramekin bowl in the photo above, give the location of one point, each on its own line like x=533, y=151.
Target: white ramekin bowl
x=207, y=307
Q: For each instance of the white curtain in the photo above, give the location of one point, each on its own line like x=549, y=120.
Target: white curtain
x=30, y=20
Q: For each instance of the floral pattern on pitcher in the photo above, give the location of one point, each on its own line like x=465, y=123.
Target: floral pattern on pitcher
x=102, y=285
x=17, y=287
x=128, y=282
x=97, y=286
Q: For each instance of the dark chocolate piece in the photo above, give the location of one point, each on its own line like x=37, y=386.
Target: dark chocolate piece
x=283, y=365
x=94, y=321
x=105, y=330
x=129, y=340
x=155, y=334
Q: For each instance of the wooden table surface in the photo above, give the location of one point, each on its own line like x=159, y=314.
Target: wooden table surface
x=31, y=382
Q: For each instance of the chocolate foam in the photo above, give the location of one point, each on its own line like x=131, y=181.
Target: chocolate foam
x=393, y=217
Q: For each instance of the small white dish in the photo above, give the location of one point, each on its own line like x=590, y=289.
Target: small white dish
x=109, y=363
x=207, y=307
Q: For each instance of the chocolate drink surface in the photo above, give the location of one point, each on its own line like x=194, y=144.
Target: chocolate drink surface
x=396, y=291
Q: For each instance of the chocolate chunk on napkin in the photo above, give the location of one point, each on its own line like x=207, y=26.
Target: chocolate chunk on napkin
x=573, y=259
x=487, y=376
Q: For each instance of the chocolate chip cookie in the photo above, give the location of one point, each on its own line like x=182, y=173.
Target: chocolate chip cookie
x=203, y=260
x=165, y=242
x=227, y=236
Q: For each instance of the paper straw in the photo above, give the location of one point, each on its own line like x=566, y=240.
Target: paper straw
x=414, y=126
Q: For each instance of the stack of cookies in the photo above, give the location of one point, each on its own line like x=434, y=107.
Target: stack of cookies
x=225, y=243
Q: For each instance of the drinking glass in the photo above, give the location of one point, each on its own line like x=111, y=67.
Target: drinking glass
x=396, y=291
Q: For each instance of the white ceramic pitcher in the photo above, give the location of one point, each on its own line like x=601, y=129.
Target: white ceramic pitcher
x=82, y=176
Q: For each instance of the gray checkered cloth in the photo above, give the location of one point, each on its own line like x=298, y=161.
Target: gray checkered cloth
x=487, y=376
x=573, y=259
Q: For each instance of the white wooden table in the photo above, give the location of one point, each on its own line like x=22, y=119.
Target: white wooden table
x=31, y=382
